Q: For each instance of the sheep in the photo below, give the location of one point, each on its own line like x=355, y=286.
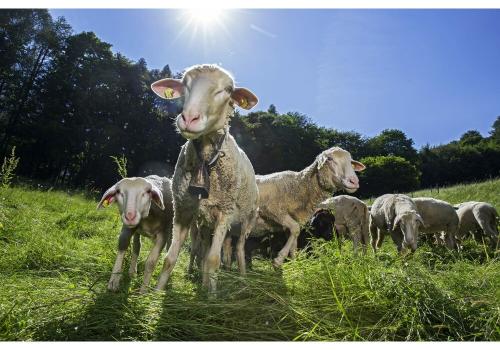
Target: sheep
x=351, y=219
x=134, y=196
x=439, y=217
x=390, y=211
x=480, y=218
x=289, y=198
x=320, y=226
x=214, y=182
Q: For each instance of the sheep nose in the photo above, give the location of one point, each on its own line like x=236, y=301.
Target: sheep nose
x=130, y=215
x=353, y=180
x=189, y=118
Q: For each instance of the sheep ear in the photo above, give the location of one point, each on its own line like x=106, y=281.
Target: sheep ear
x=322, y=158
x=396, y=222
x=157, y=197
x=168, y=88
x=357, y=166
x=107, y=198
x=419, y=219
x=244, y=98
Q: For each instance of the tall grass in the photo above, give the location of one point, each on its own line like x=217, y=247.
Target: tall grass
x=56, y=253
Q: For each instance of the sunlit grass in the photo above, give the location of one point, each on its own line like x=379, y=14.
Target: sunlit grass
x=56, y=253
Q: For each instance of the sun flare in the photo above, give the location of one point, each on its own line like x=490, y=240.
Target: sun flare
x=205, y=16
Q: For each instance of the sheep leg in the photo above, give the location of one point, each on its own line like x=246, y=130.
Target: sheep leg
x=212, y=261
x=151, y=261
x=227, y=251
x=397, y=238
x=374, y=234
x=123, y=244
x=294, y=229
x=450, y=240
x=179, y=233
x=488, y=226
x=195, y=248
x=355, y=241
x=136, y=249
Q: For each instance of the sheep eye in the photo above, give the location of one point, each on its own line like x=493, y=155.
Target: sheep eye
x=148, y=191
x=329, y=158
x=117, y=191
x=229, y=89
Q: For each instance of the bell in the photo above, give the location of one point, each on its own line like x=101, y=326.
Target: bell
x=200, y=182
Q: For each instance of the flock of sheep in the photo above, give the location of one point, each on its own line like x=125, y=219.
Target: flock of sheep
x=215, y=196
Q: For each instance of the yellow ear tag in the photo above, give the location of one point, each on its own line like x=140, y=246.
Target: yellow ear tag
x=105, y=203
x=243, y=103
x=169, y=93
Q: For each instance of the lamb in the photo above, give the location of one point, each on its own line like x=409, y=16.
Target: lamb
x=351, y=219
x=481, y=219
x=440, y=218
x=214, y=182
x=390, y=211
x=289, y=198
x=134, y=196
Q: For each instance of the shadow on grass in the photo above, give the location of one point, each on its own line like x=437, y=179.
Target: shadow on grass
x=106, y=317
x=253, y=307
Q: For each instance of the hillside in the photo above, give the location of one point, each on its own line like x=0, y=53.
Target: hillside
x=57, y=250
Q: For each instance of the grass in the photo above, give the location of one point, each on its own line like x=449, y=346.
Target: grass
x=57, y=251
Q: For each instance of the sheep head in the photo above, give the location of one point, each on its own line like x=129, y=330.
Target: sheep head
x=209, y=98
x=336, y=170
x=409, y=223
x=133, y=196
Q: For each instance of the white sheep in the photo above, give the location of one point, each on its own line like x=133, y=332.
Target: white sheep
x=352, y=219
x=214, y=181
x=398, y=215
x=288, y=199
x=440, y=219
x=480, y=219
x=134, y=196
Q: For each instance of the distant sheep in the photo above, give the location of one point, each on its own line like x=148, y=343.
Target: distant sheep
x=480, y=219
x=352, y=219
x=398, y=215
x=134, y=196
x=440, y=219
x=214, y=182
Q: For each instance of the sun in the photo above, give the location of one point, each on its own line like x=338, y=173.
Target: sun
x=205, y=16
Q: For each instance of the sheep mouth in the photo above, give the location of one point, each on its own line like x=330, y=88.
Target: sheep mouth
x=351, y=189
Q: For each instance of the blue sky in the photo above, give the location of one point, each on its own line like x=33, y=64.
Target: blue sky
x=432, y=73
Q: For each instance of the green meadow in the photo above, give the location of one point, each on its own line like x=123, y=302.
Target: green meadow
x=57, y=251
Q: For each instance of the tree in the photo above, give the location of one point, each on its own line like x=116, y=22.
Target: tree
x=387, y=174
x=471, y=137
x=272, y=109
x=393, y=142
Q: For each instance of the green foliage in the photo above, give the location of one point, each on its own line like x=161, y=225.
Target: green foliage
x=121, y=165
x=392, y=142
x=387, y=174
x=55, y=264
x=9, y=166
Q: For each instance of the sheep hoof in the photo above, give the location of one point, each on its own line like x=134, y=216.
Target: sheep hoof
x=114, y=283
x=277, y=263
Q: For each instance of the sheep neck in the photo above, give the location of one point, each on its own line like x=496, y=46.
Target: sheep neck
x=208, y=151
x=316, y=193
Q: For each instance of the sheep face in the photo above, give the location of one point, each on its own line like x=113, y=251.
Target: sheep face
x=337, y=169
x=133, y=196
x=209, y=96
x=322, y=223
x=409, y=222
